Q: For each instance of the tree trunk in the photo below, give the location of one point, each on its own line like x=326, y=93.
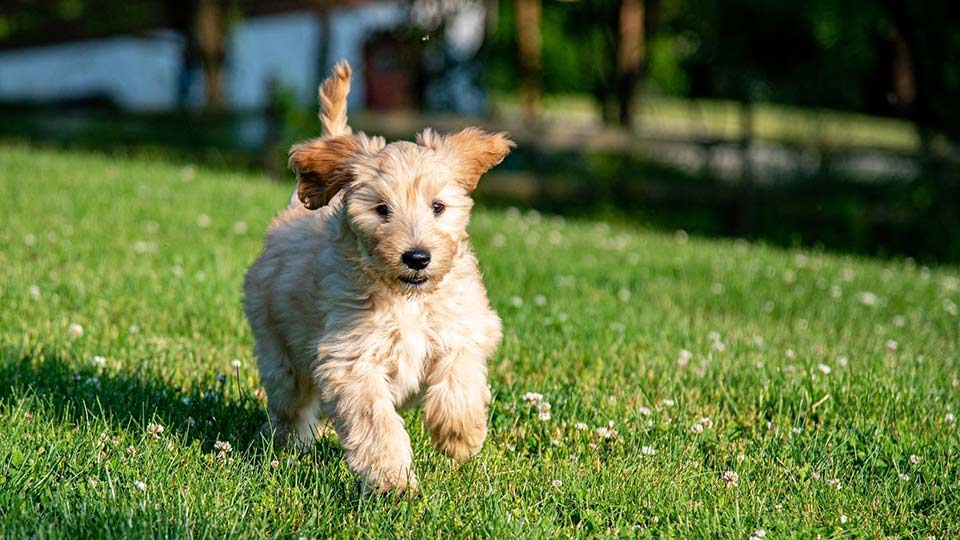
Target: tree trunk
x=323, y=44
x=630, y=56
x=210, y=26
x=529, y=40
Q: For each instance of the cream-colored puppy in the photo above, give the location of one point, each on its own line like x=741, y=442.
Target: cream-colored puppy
x=367, y=295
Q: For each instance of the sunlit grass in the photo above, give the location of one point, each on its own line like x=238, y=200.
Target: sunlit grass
x=697, y=389
x=667, y=116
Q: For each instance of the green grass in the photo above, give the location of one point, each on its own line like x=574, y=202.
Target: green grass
x=595, y=318
x=678, y=117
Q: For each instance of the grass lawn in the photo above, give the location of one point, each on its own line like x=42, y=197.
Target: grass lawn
x=699, y=388
x=679, y=117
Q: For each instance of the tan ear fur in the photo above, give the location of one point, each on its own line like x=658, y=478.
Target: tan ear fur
x=323, y=167
x=476, y=150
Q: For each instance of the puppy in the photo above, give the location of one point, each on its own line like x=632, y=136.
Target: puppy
x=367, y=295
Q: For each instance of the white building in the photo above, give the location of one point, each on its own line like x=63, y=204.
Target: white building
x=144, y=73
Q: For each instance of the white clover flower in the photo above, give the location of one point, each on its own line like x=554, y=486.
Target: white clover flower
x=648, y=450
x=706, y=422
x=540, y=300
x=607, y=432
x=730, y=478
x=142, y=486
x=904, y=477
x=580, y=426
x=223, y=448
x=75, y=330
x=235, y=363
x=825, y=369
x=713, y=335
x=867, y=298
x=843, y=518
x=760, y=533
x=834, y=483
x=790, y=353
x=668, y=402
x=915, y=459
x=34, y=292
x=154, y=429
x=697, y=428
x=533, y=398
x=556, y=483
x=516, y=301
x=891, y=345
x=99, y=361
x=684, y=358
x=645, y=411
x=543, y=411
x=842, y=361
x=949, y=418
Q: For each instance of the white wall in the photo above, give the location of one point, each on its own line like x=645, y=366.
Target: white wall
x=142, y=73
x=138, y=72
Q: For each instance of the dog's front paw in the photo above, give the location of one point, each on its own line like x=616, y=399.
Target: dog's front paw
x=399, y=480
x=460, y=444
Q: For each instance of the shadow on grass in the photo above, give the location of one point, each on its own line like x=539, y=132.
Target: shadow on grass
x=205, y=411
x=823, y=209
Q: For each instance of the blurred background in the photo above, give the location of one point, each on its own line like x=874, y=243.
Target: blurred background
x=832, y=124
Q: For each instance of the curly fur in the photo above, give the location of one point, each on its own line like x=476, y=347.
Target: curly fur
x=345, y=331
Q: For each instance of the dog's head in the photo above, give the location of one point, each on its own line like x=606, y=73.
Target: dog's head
x=407, y=203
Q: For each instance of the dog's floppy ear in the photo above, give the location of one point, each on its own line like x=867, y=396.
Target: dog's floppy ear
x=475, y=150
x=325, y=166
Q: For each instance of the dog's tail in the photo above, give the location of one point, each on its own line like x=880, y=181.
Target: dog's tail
x=333, y=101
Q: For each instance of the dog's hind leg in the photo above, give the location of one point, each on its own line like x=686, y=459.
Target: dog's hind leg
x=293, y=401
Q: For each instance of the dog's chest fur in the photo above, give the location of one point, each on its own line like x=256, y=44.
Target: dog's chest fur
x=405, y=344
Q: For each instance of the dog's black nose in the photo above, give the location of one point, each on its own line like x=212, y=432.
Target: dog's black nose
x=417, y=259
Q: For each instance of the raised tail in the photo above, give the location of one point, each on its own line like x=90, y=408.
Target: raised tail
x=333, y=101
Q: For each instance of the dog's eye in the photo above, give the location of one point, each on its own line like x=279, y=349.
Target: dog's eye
x=383, y=210
x=438, y=207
